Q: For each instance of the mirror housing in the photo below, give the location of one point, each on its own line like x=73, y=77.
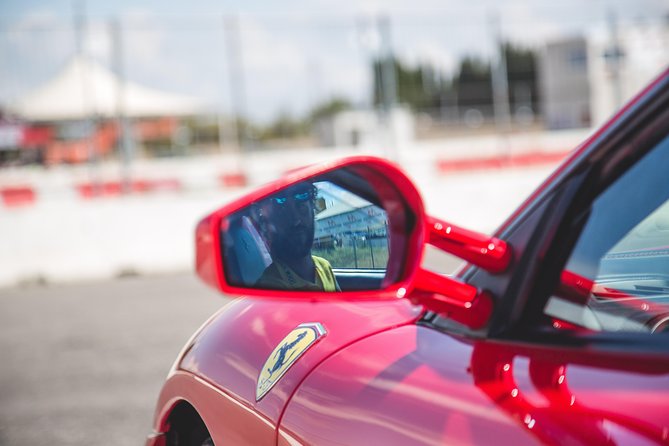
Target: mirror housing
x=490, y=253
x=207, y=263
x=397, y=195
x=409, y=229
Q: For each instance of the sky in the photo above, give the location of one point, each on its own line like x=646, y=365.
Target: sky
x=293, y=54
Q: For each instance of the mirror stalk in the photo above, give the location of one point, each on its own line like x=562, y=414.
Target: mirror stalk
x=489, y=253
x=452, y=298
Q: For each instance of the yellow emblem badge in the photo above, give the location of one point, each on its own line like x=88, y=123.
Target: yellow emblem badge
x=286, y=353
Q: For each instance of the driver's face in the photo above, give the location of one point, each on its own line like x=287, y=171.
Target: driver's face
x=290, y=217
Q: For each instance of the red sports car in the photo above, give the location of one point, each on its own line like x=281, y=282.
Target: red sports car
x=556, y=330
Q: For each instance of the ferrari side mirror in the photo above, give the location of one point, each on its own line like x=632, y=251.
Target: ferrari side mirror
x=353, y=229
x=356, y=225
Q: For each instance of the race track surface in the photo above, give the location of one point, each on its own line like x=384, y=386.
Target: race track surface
x=83, y=364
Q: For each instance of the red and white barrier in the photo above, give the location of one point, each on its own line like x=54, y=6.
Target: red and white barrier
x=57, y=225
x=531, y=159
x=18, y=196
x=91, y=189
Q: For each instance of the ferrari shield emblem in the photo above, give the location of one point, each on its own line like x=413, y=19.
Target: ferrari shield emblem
x=286, y=353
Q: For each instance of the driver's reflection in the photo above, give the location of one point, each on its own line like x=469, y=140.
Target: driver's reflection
x=287, y=222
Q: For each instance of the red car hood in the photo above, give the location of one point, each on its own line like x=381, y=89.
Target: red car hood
x=230, y=351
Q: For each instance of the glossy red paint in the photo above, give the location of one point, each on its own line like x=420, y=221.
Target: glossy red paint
x=487, y=252
x=454, y=293
x=593, y=410
x=419, y=392
x=255, y=327
x=205, y=253
x=431, y=389
x=452, y=298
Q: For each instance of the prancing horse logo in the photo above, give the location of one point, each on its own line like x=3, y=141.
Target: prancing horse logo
x=282, y=353
x=286, y=353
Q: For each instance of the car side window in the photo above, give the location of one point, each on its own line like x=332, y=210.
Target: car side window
x=617, y=276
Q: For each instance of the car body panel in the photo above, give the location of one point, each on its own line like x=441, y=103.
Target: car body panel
x=230, y=351
x=431, y=389
x=404, y=386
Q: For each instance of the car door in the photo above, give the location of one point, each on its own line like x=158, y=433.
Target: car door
x=577, y=350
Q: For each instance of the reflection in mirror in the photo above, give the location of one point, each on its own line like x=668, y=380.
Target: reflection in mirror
x=312, y=236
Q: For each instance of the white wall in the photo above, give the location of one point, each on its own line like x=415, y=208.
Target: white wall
x=62, y=237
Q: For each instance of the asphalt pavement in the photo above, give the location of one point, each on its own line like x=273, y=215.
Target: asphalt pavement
x=83, y=364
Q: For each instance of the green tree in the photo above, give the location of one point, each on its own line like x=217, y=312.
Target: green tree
x=424, y=87
x=284, y=126
x=416, y=87
x=521, y=66
x=473, y=83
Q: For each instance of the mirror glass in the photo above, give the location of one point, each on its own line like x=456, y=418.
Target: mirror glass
x=315, y=235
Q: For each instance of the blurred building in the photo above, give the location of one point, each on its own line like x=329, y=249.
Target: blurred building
x=586, y=79
x=565, y=84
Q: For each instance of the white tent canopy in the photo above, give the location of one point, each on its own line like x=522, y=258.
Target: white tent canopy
x=85, y=88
